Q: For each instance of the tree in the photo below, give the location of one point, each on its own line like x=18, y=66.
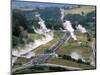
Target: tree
x=68, y=57
x=17, y=21
x=79, y=60
x=82, y=13
x=64, y=57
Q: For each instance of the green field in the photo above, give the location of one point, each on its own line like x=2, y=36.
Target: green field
x=70, y=47
x=64, y=62
x=67, y=49
x=57, y=37
x=35, y=36
x=85, y=9
x=78, y=53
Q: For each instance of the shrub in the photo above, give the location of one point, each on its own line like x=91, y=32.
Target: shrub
x=79, y=60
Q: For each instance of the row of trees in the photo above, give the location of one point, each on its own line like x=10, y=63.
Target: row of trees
x=67, y=57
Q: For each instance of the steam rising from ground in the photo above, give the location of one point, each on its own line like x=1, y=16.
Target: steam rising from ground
x=67, y=25
x=81, y=29
x=14, y=59
x=26, y=51
x=44, y=31
x=92, y=57
x=62, y=14
x=48, y=36
x=76, y=56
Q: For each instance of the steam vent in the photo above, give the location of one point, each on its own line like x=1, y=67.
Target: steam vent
x=49, y=37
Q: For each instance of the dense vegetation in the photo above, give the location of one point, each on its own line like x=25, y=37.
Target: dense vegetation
x=20, y=29
x=52, y=17
x=23, y=24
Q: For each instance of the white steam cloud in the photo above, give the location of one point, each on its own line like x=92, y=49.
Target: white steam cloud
x=67, y=25
x=81, y=29
x=62, y=14
x=76, y=56
x=26, y=51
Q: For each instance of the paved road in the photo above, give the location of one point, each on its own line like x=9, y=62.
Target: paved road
x=41, y=59
x=55, y=65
